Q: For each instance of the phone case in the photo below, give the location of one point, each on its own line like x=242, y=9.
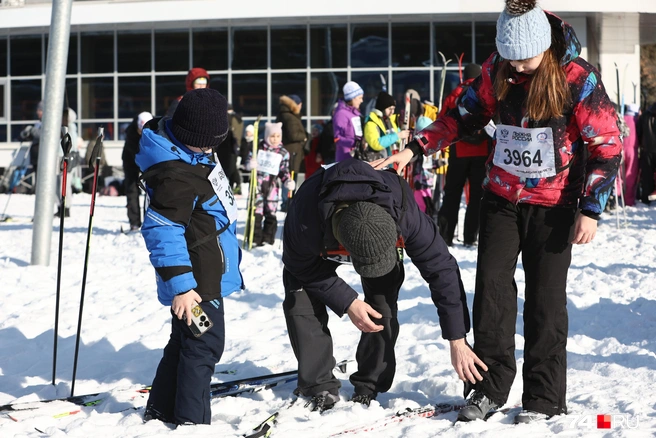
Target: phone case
x=200, y=322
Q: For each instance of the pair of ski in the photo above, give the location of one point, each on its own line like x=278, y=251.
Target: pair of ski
x=265, y=428
x=217, y=390
x=251, y=203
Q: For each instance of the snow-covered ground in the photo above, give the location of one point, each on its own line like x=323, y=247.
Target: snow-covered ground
x=611, y=348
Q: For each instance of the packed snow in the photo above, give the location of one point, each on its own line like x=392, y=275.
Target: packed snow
x=611, y=348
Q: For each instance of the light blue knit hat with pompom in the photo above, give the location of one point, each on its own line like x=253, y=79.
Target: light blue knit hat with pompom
x=523, y=30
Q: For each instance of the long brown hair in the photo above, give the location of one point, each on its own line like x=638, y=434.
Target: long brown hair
x=548, y=93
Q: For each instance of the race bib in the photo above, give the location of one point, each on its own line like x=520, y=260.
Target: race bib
x=525, y=152
x=221, y=186
x=357, y=126
x=268, y=162
x=427, y=164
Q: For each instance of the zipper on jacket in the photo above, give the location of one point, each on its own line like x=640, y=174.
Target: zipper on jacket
x=223, y=260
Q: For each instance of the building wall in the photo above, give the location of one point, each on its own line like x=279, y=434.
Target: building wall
x=120, y=64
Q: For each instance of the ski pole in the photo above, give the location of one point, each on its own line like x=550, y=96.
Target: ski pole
x=66, y=145
x=94, y=162
x=249, y=230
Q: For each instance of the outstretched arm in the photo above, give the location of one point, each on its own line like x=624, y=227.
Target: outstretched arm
x=464, y=361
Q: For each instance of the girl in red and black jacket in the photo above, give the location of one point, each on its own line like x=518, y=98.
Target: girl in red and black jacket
x=548, y=178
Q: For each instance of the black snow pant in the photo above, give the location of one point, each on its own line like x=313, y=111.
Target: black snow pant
x=181, y=388
x=647, y=175
x=307, y=325
x=460, y=170
x=542, y=235
x=131, y=187
x=265, y=233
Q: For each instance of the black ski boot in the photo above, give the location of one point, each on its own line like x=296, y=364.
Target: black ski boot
x=322, y=401
x=477, y=408
x=363, y=399
x=257, y=231
x=270, y=229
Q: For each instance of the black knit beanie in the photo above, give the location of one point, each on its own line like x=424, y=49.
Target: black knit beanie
x=472, y=71
x=384, y=101
x=369, y=233
x=201, y=119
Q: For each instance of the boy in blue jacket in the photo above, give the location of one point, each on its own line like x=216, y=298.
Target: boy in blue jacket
x=189, y=230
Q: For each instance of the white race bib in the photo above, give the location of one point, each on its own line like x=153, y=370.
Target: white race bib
x=357, y=126
x=268, y=162
x=525, y=152
x=221, y=185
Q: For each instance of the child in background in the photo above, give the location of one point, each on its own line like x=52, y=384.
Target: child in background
x=313, y=159
x=272, y=168
x=423, y=174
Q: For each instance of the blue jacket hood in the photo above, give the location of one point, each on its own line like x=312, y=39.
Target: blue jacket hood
x=160, y=146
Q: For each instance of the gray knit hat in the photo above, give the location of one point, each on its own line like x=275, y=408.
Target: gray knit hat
x=523, y=30
x=369, y=233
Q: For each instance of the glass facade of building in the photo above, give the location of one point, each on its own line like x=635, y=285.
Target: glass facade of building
x=112, y=75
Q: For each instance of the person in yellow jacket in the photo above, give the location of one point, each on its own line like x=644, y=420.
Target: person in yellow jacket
x=381, y=129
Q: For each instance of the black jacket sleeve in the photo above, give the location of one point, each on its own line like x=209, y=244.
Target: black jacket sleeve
x=437, y=266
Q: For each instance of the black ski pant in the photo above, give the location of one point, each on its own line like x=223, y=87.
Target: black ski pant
x=131, y=186
x=307, y=326
x=181, y=388
x=542, y=235
x=460, y=170
x=647, y=175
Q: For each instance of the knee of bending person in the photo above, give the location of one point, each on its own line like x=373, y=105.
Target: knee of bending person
x=297, y=303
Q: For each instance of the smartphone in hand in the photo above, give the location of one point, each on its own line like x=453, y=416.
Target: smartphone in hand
x=200, y=322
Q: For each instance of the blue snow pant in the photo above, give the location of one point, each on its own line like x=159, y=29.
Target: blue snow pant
x=181, y=388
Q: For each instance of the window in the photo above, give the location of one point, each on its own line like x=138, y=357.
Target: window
x=486, y=34
x=172, y=51
x=249, y=48
x=71, y=63
x=97, y=98
x=25, y=55
x=249, y=94
x=210, y=49
x=326, y=89
x=167, y=90
x=369, y=46
x=404, y=80
x=97, y=52
x=288, y=47
x=3, y=113
x=70, y=94
x=3, y=56
x=286, y=84
x=451, y=81
x=328, y=47
x=452, y=39
x=90, y=132
x=16, y=131
x=133, y=96
x=410, y=45
x=220, y=84
x=372, y=84
x=25, y=96
x=133, y=51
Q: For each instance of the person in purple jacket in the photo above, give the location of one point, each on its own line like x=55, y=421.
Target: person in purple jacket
x=351, y=213
x=347, y=121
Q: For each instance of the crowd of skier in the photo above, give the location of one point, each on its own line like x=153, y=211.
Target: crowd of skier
x=532, y=131
x=530, y=136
